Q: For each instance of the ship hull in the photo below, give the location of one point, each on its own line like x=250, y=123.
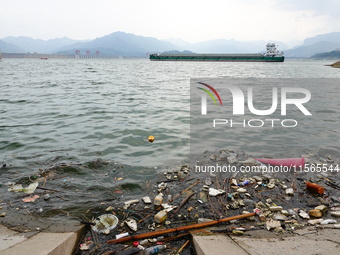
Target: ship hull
x=217, y=57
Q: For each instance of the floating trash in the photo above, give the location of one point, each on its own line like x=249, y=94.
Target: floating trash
x=313, y=187
x=19, y=188
x=127, y=204
x=30, y=199
x=131, y=223
x=215, y=192
x=147, y=200
x=125, y=234
x=303, y=214
x=151, y=138
x=31, y=188
x=105, y=223
x=16, y=188
x=328, y=221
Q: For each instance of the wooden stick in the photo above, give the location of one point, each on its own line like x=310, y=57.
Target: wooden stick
x=192, y=185
x=182, y=248
x=171, y=230
x=183, y=203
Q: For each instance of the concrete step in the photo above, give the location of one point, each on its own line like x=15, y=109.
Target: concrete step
x=216, y=244
x=311, y=240
x=25, y=234
x=14, y=243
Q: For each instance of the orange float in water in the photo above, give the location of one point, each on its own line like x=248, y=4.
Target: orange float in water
x=151, y=138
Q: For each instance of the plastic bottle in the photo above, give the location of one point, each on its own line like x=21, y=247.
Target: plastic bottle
x=145, y=241
x=158, y=200
x=138, y=246
x=244, y=183
x=154, y=249
x=160, y=216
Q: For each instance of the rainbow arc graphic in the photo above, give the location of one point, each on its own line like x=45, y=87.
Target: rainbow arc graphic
x=212, y=93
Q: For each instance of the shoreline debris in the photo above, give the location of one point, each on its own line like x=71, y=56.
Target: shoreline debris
x=316, y=188
x=105, y=223
x=188, y=227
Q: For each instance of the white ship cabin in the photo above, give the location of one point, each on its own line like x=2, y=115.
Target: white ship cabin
x=272, y=50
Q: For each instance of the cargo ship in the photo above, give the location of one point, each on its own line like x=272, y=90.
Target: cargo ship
x=271, y=55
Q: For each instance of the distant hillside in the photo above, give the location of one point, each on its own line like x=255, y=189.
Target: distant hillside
x=38, y=45
x=120, y=43
x=316, y=44
x=335, y=54
x=329, y=37
x=10, y=48
x=127, y=44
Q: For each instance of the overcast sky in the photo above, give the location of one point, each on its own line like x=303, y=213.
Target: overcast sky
x=190, y=20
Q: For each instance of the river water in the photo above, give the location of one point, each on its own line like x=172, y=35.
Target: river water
x=79, y=111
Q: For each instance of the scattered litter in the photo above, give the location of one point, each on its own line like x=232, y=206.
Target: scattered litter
x=315, y=188
x=322, y=208
x=168, y=207
x=215, y=192
x=16, y=188
x=105, y=223
x=46, y=197
x=138, y=246
x=316, y=213
x=328, y=221
x=154, y=249
x=160, y=216
x=131, y=223
x=273, y=224
x=244, y=183
x=290, y=191
x=127, y=204
x=315, y=221
x=28, y=190
x=147, y=200
x=250, y=162
x=84, y=247
x=335, y=214
x=303, y=214
x=241, y=190
x=280, y=217
x=30, y=199
x=158, y=200
x=275, y=208
x=119, y=236
x=110, y=208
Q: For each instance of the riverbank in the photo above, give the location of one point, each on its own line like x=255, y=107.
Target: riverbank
x=336, y=64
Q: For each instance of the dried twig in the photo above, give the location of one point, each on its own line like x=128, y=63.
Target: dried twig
x=192, y=185
x=183, y=203
x=182, y=248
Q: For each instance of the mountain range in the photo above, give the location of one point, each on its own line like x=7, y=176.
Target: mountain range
x=127, y=44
